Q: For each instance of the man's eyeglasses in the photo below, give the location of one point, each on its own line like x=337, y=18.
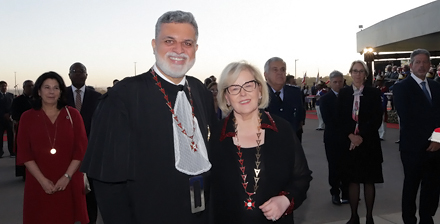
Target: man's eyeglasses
x=247, y=86
x=354, y=71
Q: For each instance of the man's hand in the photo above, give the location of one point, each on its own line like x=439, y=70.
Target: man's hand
x=434, y=146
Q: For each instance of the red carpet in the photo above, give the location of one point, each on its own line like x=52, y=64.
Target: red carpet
x=311, y=114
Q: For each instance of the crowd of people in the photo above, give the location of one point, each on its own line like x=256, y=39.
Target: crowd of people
x=213, y=152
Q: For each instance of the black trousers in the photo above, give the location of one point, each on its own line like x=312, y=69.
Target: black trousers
x=420, y=169
x=7, y=125
x=92, y=207
x=336, y=177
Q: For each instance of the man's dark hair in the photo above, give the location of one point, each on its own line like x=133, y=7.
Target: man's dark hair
x=417, y=52
x=177, y=17
x=25, y=82
x=49, y=75
x=3, y=82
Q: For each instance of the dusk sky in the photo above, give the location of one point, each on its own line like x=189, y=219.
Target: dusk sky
x=108, y=37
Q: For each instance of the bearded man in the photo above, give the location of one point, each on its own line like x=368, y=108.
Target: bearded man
x=147, y=153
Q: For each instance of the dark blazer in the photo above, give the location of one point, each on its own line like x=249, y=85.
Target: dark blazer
x=370, y=119
x=89, y=104
x=418, y=117
x=291, y=109
x=329, y=112
x=5, y=104
x=283, y=168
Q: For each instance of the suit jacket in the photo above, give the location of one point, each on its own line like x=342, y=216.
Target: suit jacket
x=418, y=117
x=89, y=104
x=329, y=112
x=5, y=104
x=291, y=109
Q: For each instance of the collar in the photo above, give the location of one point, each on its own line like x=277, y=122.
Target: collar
x=336, y=93
x=418, y=80
x=83, y=89
x=228, y=126
x=182, y=82
x=274, y=91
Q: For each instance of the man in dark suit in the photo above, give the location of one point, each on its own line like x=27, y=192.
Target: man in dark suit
x=417, y=101
x=332, y=139
x=21, y=104
x=6, y=99
x=285, y=101
x=85, y=99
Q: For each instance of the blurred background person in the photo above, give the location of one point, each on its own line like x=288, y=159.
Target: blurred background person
x=332, y=140
x=21, y=104
x=51, y=144
x=321, y=88
x=255, y=158
x=213, y=88
x=85, y=100
x=360, y=111
x=6, y=99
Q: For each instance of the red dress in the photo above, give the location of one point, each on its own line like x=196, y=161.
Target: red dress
x=34, y=143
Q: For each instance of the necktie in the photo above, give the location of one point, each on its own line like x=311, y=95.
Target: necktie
x=278, y=96
x=425, y=91
x=78, y=100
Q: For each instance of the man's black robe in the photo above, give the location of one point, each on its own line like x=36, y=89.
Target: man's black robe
x=130, y=155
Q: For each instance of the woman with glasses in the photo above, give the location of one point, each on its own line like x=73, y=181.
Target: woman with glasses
x=259, y=171
x=360, y=111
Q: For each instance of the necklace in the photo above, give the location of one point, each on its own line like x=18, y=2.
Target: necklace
x=193, y=145
x=249, y=203
x=53, y=150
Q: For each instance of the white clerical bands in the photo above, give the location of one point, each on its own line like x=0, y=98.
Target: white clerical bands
x=274, y=219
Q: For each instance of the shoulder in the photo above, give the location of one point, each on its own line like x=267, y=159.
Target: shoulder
x=27, y=114
x=372, y=89
x=72, y=111
x=194, y=82
x=92, y=92
x=129, y=85
x=292, y=89
x=346, y=90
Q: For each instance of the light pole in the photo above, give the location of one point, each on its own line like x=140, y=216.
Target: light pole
x=295, y=67
x=135, y=68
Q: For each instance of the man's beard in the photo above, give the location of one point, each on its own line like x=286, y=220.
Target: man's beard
x=175, y=71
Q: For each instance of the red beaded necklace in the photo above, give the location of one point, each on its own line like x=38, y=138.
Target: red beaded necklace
x=249, y=203
x=193, y=145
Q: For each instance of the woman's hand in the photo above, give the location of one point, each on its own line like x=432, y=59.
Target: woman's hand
x=47, y=186
x=62, y=183
x=356, y=140
x=275, y=207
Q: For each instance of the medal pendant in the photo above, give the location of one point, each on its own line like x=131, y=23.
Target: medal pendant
x=53, y=151
x=249, y=204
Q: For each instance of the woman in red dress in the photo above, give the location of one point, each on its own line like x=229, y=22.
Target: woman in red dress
x=51, y=144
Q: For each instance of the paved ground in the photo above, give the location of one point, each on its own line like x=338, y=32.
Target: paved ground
x=317, y=209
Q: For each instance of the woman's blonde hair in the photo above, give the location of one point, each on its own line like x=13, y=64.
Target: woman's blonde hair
x=367, y=72
x=228, y=77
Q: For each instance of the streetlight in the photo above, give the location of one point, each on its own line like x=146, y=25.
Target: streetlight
x=135, y=68
x=295, y=67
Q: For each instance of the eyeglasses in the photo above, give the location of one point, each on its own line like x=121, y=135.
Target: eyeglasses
x=247, y=86
x=357, y=71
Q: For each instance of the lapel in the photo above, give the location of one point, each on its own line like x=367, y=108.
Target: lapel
x=435, y=92
x=418, y=92
x=85, y=101
x=70, y=99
